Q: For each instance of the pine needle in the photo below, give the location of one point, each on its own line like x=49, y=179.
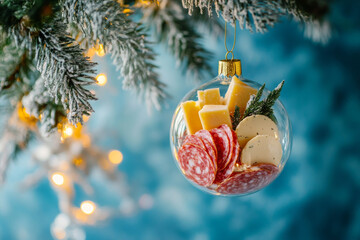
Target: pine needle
x=236, y=117
x=264, y=107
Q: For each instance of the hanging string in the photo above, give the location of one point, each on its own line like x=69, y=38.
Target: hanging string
x=232, y=49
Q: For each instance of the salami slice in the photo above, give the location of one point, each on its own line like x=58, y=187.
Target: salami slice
x=194, y=140
x=222, y=143
x=250, y=180
x=196, y=165
x=209, y=143
x=228, y=170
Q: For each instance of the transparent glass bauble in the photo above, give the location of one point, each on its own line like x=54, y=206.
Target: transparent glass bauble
x=178, y=132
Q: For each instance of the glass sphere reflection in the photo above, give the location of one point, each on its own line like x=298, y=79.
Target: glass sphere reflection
x=178, y=127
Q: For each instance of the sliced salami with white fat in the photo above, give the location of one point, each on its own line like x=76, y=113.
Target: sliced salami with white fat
x=209, y=144
x=196, y=164
x=228, y=170
x=249, y=180
x=222, y=143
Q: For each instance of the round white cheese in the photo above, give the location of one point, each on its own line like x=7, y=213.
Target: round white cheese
x=262, y=149
x=255, y=125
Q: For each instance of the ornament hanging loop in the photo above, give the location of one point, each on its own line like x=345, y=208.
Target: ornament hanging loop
x=230, y=67
x=232, y=55
x=233, y=47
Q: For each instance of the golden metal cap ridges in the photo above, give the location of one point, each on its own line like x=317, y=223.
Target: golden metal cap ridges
x=230, y=68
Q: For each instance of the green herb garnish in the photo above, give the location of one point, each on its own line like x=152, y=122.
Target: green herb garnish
x=235, y=119
x=264, y=107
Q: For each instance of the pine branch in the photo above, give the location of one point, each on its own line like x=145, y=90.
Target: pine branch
x=17, y=72
x=253, y=106
x=259, y=15
x=19, y=8
x=264, y=107
x=105, y=22
x=210, y=24
x=39, y=102
x=173, y=28
x=11, y=60
x=236, y=117
x=58, y=58
x=7, y=17
x=66, y=71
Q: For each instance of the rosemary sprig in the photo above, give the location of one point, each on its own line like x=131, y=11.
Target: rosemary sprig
x=235, y=119
x=264, y=107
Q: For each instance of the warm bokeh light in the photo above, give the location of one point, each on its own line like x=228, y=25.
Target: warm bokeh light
x=86, y=118
x=101, y=79
x=86, y=140
x=115, y=157
x=90, y=53
x=100, y=50
x=78, y=161
x=25, y=117
x=88, y=207
x=127, y=10
x=58, y=179
x=68, y=131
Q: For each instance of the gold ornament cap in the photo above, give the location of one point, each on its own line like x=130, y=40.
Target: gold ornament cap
x=230, y=68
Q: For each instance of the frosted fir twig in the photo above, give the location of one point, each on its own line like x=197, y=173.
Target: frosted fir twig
x=106, y=23
x=175, y=30
x=207, y=24
x=259, y=15
x=39, y=102
x=11, y=60
x=66, y=71
x=58, y=58
x=265, y=107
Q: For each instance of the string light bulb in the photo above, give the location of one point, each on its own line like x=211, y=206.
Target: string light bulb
x=115, y=157
x=101, y=79
x=100, y=50
x=68, y=131
x=58, y=179
x=88, y=207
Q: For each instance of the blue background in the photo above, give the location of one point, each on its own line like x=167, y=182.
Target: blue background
x=316, y=197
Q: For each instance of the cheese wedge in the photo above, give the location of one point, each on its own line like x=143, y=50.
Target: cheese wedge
x=209, y=97
x=238, y=94
x=262, y=149
x=212, y=96
x=191, y=116
x=255, y=125
x=201, y=97
x=213, y=116
x=222, y=101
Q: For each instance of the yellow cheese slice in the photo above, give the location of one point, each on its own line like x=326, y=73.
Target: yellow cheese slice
x=212, y=96
x=236, y=80
x=222, y=101
x=213, y=116
x=201, y=97
x=191, y=116
x=255, y=125
x=238, y=94
x=209, y=97
x=262, y=149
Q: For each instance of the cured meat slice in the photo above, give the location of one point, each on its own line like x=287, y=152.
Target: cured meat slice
x=209, y=143
x=194, y=140
x=228, y=170
x=196, y=164
x=250, y=180
x=222, y=143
